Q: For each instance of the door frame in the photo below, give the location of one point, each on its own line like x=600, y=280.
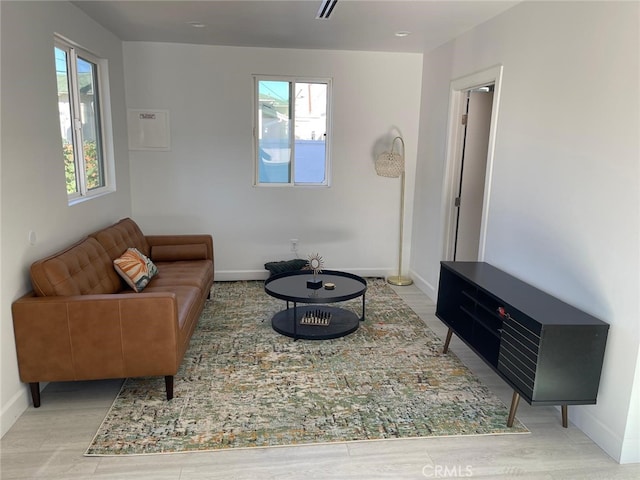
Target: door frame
x=455, y=137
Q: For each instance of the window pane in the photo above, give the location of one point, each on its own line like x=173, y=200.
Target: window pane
x=64, y=109
x=310, y=132
x=90, y=121
x=274, y=148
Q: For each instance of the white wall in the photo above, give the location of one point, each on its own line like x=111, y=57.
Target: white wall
x=205, y=182
x=565, y=206
x=33, y=184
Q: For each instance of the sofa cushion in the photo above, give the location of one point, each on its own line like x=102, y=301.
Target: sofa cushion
x=187, y=299
x=193, y=273
x=84, y=268
x=120, y=236
x=135, y=268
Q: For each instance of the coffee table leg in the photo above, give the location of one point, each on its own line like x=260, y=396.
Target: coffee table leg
x=363, y=310
x=295, y=321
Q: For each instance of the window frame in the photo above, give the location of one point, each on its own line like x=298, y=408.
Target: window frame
x=292, y=80
x=103, y=118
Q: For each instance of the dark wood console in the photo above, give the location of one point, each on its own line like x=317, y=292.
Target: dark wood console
x=549, y=352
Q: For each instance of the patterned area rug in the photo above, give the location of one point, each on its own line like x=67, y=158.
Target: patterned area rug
x=241, y=384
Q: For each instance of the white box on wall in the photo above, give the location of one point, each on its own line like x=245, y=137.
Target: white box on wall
x=149, y=130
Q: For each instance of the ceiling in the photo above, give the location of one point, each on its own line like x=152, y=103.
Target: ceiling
x=366, y=25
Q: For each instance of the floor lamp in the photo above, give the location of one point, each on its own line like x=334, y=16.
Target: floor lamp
x=391, y=164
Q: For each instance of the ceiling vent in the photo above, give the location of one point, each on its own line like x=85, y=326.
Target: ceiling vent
x=326, y=7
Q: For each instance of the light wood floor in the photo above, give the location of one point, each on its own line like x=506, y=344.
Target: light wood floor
x=48, y=443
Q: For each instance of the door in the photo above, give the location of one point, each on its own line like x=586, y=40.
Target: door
x=473, y=167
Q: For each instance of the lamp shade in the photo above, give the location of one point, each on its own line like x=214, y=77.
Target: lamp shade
x=391, y=164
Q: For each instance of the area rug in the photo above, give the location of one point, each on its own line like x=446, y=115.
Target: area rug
x=242, y=385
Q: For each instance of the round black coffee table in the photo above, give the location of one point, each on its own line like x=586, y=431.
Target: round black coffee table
x=316, y=320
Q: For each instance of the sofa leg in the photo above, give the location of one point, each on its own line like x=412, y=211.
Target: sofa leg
x=35, y=393
x=168, y=382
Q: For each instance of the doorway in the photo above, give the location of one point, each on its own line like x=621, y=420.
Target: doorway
x=473, y=116
x=473, y=165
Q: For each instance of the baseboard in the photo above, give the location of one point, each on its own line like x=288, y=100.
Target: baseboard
x=13, y=409
x=630, y=451
x=244, y=275
x=599, y=432
x=427, y=288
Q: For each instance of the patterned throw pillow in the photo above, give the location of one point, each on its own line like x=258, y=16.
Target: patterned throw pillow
x=135, y=268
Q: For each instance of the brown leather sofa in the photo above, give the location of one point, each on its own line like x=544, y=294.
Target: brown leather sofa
x=83, y=322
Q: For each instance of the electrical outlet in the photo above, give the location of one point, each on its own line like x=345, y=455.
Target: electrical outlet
x=294, y=244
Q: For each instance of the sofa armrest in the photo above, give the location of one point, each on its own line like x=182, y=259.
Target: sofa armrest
x=167, y=248
x=96, y=336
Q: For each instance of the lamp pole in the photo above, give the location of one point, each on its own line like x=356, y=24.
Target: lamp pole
x=399, y=280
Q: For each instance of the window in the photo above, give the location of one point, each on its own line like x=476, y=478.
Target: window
x=291, y=128
x=81, y=78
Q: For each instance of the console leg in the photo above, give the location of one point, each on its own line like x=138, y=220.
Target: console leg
x=445, y=349
x=168, y=382
x=565, y=416
x=35, y=393
x=514, y=406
